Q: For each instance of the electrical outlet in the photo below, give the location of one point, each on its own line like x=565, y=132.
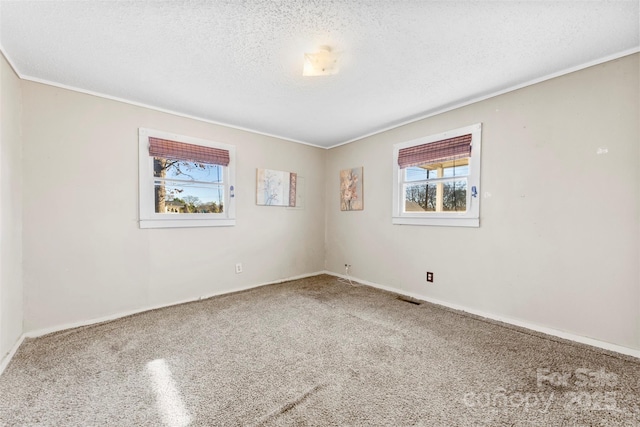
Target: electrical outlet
x=429, y=276
x=238, y=268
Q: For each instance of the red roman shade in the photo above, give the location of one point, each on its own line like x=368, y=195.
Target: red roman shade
x=174, y=150
x=435, y=152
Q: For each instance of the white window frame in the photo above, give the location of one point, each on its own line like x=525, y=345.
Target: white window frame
x=470, y=218
x=149, y=218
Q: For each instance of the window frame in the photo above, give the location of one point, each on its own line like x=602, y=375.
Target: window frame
x=470, y=218
x=148, y=218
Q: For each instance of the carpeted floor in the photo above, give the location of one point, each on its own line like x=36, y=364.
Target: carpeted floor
x=314, y=352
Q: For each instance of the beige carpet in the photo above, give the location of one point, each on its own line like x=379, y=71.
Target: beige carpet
x=314, y=352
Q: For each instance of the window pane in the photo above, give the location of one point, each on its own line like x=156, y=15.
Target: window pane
x=454, y=196
x=420, y=197
x=183, y=170
x=449, y=169
x=456, y=170
x=175, y=197
x=448, y=196
x=416, y=173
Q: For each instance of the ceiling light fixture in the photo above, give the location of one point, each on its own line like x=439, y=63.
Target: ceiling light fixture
x=322, y=63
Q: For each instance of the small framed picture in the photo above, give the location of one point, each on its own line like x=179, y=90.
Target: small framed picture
x=275, y=188
x=351, y=194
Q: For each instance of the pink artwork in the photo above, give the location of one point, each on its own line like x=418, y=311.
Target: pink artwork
x=351, y=195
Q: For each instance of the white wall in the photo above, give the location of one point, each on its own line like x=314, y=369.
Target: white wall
x=10, y=209
x=558, y=244
x=84, y=255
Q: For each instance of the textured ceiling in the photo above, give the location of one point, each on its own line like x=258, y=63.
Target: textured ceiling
x=239, y=62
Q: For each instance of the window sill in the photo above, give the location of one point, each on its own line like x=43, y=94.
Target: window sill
x=442, y=222
x=184, y=223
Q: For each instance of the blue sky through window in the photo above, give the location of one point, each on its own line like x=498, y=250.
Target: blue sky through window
x=187, y=180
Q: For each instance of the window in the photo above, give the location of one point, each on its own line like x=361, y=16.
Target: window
x=437, y=179
x=184, y=181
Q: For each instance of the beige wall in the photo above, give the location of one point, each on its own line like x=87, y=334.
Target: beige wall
x=558, y=244
x=10, y=209
x=84, y=255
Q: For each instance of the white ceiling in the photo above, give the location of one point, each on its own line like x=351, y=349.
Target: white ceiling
x=239, y=62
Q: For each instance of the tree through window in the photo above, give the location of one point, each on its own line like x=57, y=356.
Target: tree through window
x=437, y=179
x=184, y=181
x=183, y=186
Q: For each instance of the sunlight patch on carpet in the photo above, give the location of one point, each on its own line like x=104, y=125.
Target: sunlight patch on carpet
x=168, y=399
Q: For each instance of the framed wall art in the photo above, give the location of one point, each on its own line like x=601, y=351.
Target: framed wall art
x=351, y=194
x=275, y=188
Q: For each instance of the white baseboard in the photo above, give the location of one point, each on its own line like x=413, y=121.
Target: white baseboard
x=58, y=328
x=7, y=358
x=40, y=332
x=549, y=331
